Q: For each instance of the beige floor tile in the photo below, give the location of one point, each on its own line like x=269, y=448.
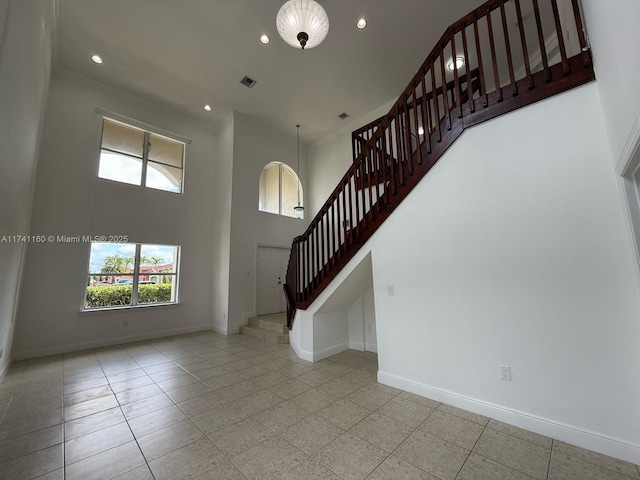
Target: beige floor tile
x=202, y=403
x=289, y=388
x=55, y=475
x=189, y=461
x=84, y=395
x=92, y=423
x=610, y=463
x=30, y=424
x=513, y=452
x=34, y=464
x=30, y=442
x=405, y=411
x=240, y=436
x=270, y=379
x=309, y=469
x=128, y=375
x=384, y=432
x=458, y=412
x=150, y=422
x=568, y=468
x=350, y=457
x=371, y=397
x=481, y=468
x=96, y=442
x=168, y=439
x=224, y=470
x=317, y=377
x=394, y=468
x=312, y=433
x=177, y=382
x=138, y=393
x=420, y=400
x=146, y=405
x=520, y=433
x=160, y=367
x=259, y=401
x=131, y=383
x=90, y=407
x=86, y=384
x=343, y=413
x=433, y=455
x=269, y=459
x=190, y=391
x=452, y=429
x=239, y=390
x=339, y=387
x=108, y=464
x=360, y=377
x=140, y=473
x=313, y=400
x=218, y=418
x=281, y=416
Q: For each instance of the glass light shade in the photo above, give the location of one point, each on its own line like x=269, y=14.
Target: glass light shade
x=307, y=16
x=299, y=211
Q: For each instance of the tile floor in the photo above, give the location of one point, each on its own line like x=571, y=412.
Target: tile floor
x=206, y=406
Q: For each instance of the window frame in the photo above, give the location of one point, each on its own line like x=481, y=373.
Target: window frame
x=135, y=273
x=147, y=130
x=281, y=167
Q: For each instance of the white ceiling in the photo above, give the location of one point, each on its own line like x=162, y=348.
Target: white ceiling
x=185, y=53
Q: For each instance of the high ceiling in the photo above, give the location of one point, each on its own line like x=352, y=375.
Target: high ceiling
x=188, y=53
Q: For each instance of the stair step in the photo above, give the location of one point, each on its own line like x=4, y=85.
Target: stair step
x=265, y=334
x=275, y=323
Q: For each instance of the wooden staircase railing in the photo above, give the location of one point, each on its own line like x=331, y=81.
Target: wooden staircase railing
x=395, y=151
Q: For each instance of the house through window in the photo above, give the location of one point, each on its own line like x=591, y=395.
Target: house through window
x=279, y=188
x=132, y=274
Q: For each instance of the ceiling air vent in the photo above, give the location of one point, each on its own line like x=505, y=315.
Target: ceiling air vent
x=343, y=115
x=248, y=82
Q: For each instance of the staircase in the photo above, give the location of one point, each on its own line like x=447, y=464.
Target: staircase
x=512, y=53
x=270, y=328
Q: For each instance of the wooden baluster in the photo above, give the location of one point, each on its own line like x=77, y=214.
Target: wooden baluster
x=376, y=173
x=543, y=48
x=389, y=153
x=418, y=121
x=566, y=69
x=523, y=42
x=396, y=127
x=494, y=58
x=456, y=77
x=424, y=116
x=356, y=222
x=483, y=86
x=343, y=227
x=436, y=103
x=505, y=30
x=406, y=124
x=369, y=180
x=467, y=70
x=335, y=215
x=383, y=167
x=586, y=58
x=445, y=97
x=362, y=194
x=317, y=248
x=351, y=217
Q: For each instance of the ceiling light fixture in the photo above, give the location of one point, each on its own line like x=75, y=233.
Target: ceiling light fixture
x=299, y=208
x=264, y=39
x=302, y=23
x=459, y=63
x=361, y=23
x=207, y=108
x=96, y=58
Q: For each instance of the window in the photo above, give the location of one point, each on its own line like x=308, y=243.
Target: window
x=135, y=156
x=131, y=274
x=279, y=186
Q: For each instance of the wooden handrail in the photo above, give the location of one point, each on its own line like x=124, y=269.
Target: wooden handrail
x=392, y=153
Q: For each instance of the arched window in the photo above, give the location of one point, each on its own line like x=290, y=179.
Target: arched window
x=279, y=190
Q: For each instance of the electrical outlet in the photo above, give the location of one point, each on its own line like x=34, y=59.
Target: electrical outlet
x=505, y=372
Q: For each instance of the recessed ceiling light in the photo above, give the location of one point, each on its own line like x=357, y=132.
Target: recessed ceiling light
x=343, y=115
x=97, y=59
x=459, y=63
x=361, y=23
x=264, y=39
x=207, y=108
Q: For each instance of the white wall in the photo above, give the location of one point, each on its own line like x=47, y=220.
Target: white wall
x=330, y=158
x=254, y=146
x=513, y=251
x=362, y=323
x=69, y=200
x=615, y=36
x=25, y=57
x=222, y=226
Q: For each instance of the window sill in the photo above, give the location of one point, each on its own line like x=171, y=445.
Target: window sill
x=127, y=308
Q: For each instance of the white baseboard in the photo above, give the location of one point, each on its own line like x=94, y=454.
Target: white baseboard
x=221, y=330
x=74, y=347
x=303, y=354
x=327, y=352
x=356, y=346
x=550, y=428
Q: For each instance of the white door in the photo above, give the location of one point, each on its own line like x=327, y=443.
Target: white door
x=272, y=268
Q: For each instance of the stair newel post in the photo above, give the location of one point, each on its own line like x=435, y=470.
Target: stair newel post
x=494, y=58
x=566, y=69
x=467, y=69
x=586, y=57
x=505, y=31
x=523, y=42
x=541, y=41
